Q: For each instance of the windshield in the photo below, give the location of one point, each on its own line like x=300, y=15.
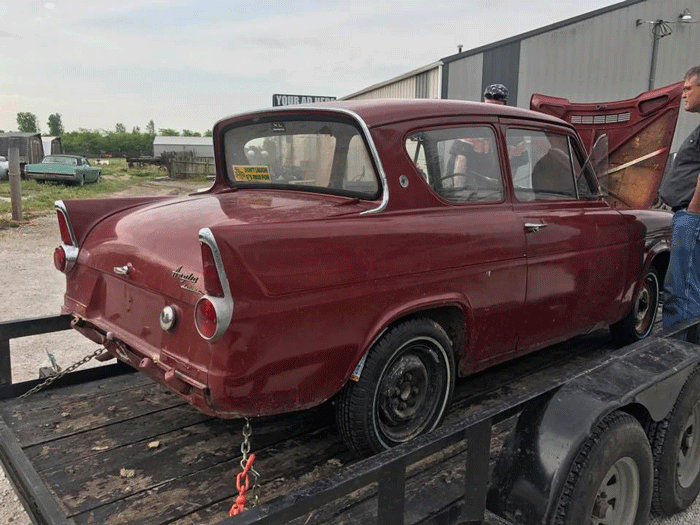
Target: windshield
x=316, y=155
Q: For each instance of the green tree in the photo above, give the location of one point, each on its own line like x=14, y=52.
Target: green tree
x=120, y=128
x=168, y=132
x=151, y=127
x=135, y=130
x=189, y=133
x=55, y=125
x=27, y=122
x=208, y=133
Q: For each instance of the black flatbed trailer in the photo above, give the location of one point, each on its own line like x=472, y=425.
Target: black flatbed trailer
x=108, y=446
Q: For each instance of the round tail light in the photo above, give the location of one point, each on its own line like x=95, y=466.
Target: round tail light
x=205, y=318
x=59, y=259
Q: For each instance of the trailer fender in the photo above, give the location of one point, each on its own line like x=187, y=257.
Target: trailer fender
x=536, y=458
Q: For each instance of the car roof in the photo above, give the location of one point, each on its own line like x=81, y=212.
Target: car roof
x=377, y=112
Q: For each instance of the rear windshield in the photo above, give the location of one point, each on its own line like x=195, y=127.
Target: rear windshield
x=313, y=155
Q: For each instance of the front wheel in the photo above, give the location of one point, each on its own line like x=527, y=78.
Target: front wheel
x=610, y=482
x=639, y=323
x=403, y=391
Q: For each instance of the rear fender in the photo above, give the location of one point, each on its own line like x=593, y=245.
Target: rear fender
x=412, y=309
x=84, y=214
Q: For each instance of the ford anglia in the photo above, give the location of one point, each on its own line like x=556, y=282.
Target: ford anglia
x=370, y=252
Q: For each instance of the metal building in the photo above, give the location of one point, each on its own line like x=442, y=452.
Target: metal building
x=612, y=53
x=198, y=146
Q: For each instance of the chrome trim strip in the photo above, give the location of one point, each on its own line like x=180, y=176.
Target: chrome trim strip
x=61, y=207
x=365, y=129
x=222, y=305
x=71, y=256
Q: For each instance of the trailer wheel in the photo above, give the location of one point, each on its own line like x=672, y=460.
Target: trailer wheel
x=610, y=482
x=675, y=444
x=403, y=391
x=639, y=323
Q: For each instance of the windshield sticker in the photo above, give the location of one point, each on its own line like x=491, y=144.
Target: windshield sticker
x=278, y=127
x=251, y=173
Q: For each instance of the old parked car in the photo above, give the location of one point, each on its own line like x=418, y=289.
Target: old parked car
x=71, y=169
x=368, y=250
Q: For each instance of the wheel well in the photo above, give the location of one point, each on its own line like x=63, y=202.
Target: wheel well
x=660, y=264
x=640, y=413
x=450, y=318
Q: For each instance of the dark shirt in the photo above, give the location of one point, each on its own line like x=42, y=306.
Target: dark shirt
x=682, y=284
x=678, y=185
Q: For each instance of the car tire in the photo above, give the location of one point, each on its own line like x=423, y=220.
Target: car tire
x=404, y=388
x=610, y=482
x=639, y=322
x=675, y=446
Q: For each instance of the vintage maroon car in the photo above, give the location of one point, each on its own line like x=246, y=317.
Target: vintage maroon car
x=367, y=250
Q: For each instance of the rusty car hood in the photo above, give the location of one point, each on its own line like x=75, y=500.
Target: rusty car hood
x=640, y=132
x=161, y=240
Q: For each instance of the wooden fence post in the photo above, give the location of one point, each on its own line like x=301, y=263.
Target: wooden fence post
x=14, y=176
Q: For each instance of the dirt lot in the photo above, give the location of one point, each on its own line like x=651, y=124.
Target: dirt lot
x=34, y=288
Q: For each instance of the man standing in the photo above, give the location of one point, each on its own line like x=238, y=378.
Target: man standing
x=678, y=185
x=682, y=284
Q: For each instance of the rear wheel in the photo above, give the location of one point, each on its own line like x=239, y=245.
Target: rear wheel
x=610, y=482
x=404, y=388
x=675, y=443
x=639, y=323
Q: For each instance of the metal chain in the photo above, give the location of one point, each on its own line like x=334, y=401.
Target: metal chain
x=245, y=450
x=60, y=374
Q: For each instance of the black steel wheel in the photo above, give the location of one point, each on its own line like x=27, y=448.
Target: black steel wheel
x=639, y=322
x=675, y=445
x=403, y=391
x=610, y=482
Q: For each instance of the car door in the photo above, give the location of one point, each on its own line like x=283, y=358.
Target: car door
x=576, y=243
x=475, y=233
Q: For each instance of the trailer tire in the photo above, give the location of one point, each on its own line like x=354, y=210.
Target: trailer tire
x=639, y=322
x=404, y=389
x=610, y=482
x=675, y=445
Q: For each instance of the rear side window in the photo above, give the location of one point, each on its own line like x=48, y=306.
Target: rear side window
x=460, y=164
x=541, y=165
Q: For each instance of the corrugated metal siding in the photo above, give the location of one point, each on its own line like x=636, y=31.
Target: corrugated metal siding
x=501, y=66
x=405, y=88
x=608, y=57
x=464, y=78
x=198, y=150
x=422, y=85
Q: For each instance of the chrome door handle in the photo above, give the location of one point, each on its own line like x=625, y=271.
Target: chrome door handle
x=535, y=226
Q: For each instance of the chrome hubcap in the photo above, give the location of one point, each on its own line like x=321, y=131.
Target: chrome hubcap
x=618, y=496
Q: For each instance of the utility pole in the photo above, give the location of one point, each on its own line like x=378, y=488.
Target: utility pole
x=14, y=176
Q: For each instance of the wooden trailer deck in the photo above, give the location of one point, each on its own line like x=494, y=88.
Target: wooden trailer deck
x=122, y=449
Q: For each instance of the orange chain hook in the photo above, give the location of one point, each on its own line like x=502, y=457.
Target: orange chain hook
x=242, y=484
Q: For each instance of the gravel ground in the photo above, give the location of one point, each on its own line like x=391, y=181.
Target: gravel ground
x=36, y=289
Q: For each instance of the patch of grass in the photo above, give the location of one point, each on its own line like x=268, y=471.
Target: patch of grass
x=39, y=197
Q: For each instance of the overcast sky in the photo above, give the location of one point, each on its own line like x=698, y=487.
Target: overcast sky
x=187, y=63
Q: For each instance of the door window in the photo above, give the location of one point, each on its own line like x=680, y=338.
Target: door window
x=540, y=164
x=460, y=164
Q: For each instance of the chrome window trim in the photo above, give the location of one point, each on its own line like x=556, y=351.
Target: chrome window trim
x=222, y=305
x=61, y=208
x=365, y=129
